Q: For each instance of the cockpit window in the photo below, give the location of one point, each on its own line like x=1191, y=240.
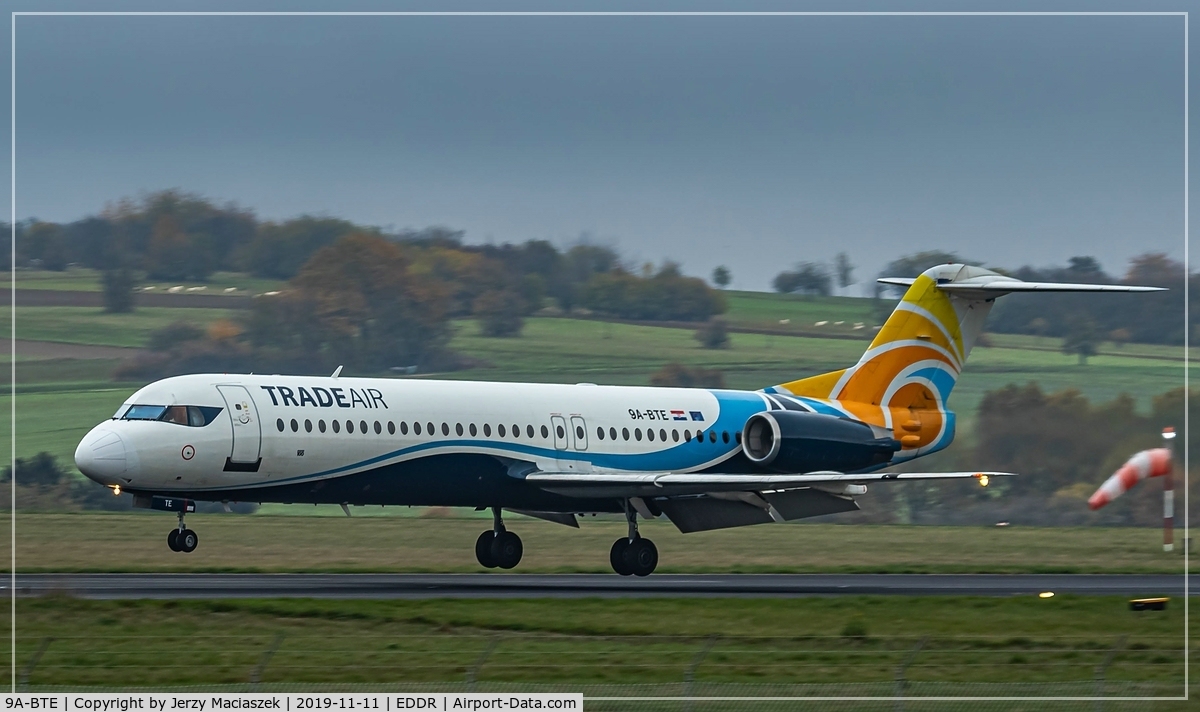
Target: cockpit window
x=196, y=416
x=144, y=412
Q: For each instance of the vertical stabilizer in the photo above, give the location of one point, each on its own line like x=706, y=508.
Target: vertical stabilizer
x=915, y=359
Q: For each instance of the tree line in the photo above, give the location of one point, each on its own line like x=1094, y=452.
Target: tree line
x=1082, y=320
x=173, y=235
x=1062, y=447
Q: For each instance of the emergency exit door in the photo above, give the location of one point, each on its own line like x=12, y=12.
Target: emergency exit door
x=245, y=452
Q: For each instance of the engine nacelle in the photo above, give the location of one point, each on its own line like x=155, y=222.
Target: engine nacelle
x=797, y=441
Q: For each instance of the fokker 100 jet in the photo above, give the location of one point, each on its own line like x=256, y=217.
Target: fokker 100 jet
x=703, y=458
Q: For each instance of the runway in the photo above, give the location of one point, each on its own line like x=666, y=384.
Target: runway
x=485, y=585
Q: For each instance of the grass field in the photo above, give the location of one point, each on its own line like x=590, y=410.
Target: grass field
x=88, y=280
x=437, y=542
x=751, y=642
x=84, y=325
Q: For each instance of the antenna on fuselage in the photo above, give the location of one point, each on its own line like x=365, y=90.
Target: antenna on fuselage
x=337, y=372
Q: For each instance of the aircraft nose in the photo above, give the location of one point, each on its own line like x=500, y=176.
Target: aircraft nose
x=101, y=456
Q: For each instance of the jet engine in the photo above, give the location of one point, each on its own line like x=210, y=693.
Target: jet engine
x=797, y=441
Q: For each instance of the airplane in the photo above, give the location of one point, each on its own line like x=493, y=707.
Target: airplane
x=703, y=458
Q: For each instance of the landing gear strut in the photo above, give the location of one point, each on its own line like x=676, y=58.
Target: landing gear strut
x=498, y=547
x=633, y=555
x=182, y=539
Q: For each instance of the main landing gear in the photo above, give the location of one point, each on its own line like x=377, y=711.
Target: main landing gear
x=633, y=556
x=182, y=539
x=498, y=547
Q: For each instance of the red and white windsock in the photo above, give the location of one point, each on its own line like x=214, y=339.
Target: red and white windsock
x=1145, y=464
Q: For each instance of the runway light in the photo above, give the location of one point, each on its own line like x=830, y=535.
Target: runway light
x=116, y=490
x=1046, y=594
x=983, y=479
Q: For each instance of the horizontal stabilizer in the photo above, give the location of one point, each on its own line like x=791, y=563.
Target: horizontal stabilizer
x=994, y=285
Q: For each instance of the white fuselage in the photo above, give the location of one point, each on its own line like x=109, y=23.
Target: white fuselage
x=272, y=430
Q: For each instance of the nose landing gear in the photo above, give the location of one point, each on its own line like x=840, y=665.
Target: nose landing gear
x=633, y=555
x=182, y=539
x=499, y=547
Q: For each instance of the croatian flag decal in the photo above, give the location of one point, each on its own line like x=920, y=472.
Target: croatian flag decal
x=678, y=415
x=697, y=415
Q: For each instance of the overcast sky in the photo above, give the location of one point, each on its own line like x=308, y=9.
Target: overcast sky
x=751, y=142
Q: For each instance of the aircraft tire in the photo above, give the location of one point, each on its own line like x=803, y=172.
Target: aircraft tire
x=173, y=540
x=616, y=557
x=641, y=557
x=507, y=550
x=483, y=550
x=187, y=541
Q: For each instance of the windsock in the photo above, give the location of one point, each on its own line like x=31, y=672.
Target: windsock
x=1147, y=463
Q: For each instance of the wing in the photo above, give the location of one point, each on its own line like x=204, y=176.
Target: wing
x=700, y=502
x=670, y=484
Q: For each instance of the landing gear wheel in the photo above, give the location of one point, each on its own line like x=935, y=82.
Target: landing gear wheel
x=640, y=557
x=507, y=550
x=173, y=540
x=483, y=550
x=616, y=557
x=187, y=541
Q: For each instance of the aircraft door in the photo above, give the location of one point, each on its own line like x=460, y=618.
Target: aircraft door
x=559, y=425
x=244, y=456
x=579, y=431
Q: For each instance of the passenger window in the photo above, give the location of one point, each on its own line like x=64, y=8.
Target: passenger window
x=561, y=433
x=516, y=431
x=675, y=435
x=662, y=435
x=295, y=426
x=378, y=428
x=349, y=426
x=712, y=436
x=579, y=431
x=612, y=433
x=321, y=425
x=391, y=428
x=500, y=430
x=600, y=433
x=432, y=430
x=637, y=434
x=458, y=428
x=279, y=424
x=403, y=428
x=545, y=432
x=362, y=424
x=529, y=430
x=417, y=427
x=687, y=435
x=473, y=430
x=625, y=433
x=336, y=426
x=307, y=426
x=487, y=430
x=650, y=434
x=445, y=429
x=724, y=436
